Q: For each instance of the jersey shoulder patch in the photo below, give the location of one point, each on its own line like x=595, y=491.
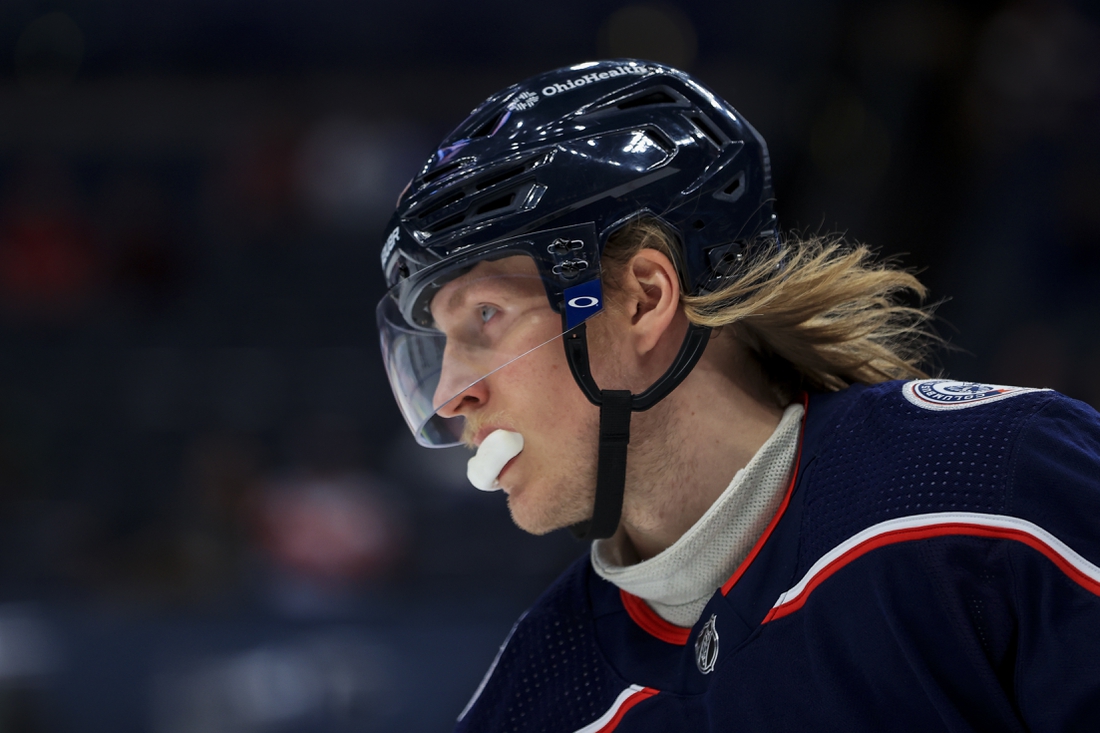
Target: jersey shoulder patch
x=947, y=394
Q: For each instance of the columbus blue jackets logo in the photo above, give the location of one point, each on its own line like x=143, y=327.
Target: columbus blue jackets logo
x=945, y=394
x=706, y=646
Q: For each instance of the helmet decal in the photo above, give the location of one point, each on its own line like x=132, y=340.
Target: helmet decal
x=581, y=301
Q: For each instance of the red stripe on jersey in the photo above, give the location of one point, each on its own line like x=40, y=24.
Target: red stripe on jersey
x=651, y=623
x=627, y=699
x=637, y=697
x=778, y=514
x=921, y=527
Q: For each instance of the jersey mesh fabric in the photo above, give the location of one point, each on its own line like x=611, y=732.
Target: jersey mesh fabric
x=678, y=582
x=965, y=469
x=552, y=655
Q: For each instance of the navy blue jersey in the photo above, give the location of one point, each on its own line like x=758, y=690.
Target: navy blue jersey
x=934, y=566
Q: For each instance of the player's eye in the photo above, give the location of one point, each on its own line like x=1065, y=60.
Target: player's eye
x=487, y=312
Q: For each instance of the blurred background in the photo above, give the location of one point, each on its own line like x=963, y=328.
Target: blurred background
x=212, y=517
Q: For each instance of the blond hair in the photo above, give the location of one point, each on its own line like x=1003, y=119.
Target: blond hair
x=819, y=314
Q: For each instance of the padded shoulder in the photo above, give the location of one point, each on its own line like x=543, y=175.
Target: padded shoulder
x=884, y=455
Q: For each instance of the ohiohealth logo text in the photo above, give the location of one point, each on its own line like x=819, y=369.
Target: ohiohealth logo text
x=592, y=78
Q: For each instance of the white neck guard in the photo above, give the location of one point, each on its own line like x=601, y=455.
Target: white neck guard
x=678, y=582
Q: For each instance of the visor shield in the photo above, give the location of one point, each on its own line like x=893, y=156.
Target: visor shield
x=447, y=327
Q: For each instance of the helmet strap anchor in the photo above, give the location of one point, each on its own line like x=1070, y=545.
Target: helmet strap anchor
x=616, y=406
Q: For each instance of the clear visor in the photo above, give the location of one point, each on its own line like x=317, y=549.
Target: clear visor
x=448, y=328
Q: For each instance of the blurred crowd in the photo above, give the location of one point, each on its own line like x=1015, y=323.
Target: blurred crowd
x=211, y=514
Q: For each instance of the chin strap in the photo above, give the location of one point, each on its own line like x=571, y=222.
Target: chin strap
x=616, y=406
x=611, y=468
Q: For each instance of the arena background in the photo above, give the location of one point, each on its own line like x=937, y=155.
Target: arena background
x=212, y=517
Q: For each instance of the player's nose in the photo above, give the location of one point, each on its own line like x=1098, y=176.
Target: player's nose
x=460, y=388
x=453, y=404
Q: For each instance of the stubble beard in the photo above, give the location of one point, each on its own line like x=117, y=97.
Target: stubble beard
x=472, y=425
x=563, y=494
x=652, y=482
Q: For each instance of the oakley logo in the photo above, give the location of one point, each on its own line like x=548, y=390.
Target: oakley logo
x=584, y=301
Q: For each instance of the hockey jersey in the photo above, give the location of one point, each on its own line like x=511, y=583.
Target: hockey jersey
x=933, y=566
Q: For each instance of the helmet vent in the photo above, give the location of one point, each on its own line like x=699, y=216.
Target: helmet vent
x=501, y=202
x=707, y=129
x=659, y=96
x=733, y=189
x=491, y=125
x=447, y=223
x=501, y=177
x=447, y=201
x=493, y=204
x=440, y=172
x=660, y=141
x=650, y=97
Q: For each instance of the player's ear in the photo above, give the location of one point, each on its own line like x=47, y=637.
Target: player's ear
x=652, y=290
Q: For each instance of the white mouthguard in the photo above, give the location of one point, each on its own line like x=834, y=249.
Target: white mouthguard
x=499, y=447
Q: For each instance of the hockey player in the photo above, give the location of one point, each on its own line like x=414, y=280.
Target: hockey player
x=794, y=528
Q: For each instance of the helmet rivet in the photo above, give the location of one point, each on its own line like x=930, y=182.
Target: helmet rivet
x=562, y=247
x=570, y=268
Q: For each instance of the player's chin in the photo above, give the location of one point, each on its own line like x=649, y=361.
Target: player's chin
x=538, y=514
x=526, y=518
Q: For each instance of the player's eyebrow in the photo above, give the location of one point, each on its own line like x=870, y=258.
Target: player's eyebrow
x=458, y=297
x=494, y=284
x=461, y=294
x=487, y=284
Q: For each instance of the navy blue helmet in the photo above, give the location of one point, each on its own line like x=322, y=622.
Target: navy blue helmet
x=599, y=143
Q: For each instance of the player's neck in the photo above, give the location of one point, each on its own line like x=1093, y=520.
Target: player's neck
x=684, y=455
